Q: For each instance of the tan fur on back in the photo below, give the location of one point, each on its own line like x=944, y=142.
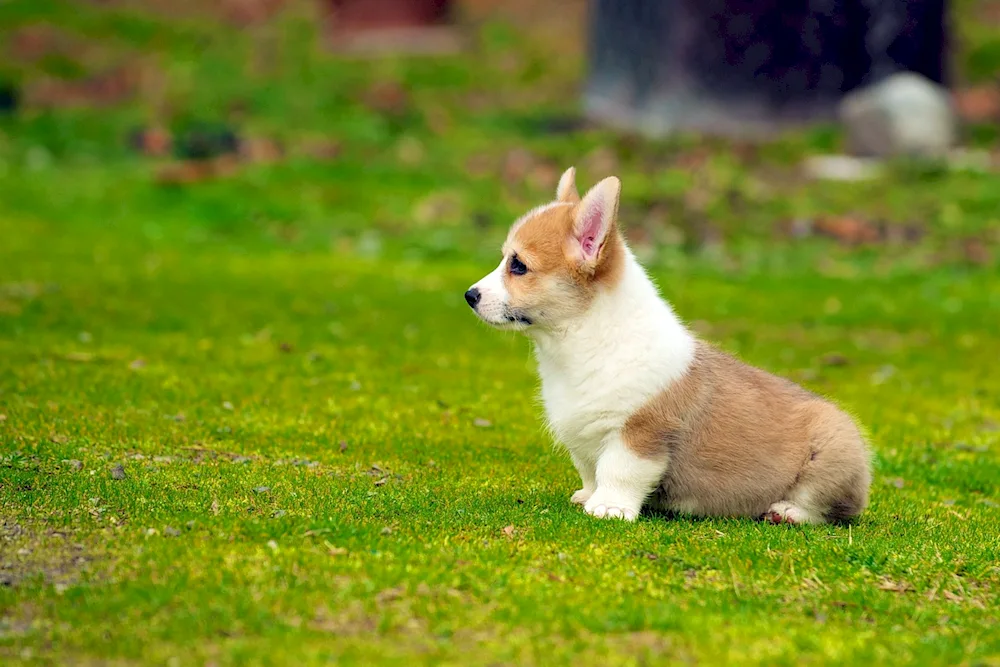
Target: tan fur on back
x=738, y=438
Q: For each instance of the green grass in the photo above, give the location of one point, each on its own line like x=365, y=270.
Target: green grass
x=282, y=364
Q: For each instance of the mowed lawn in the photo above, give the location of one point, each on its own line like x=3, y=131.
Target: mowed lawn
x=273, y=457
x=252, y=421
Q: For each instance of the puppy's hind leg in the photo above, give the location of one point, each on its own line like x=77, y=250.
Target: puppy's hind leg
x=833, y=484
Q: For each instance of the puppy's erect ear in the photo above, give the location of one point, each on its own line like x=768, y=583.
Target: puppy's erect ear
x=566, y=190
x=593, y=219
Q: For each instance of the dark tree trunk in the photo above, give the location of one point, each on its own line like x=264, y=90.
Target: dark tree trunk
x=740, y=67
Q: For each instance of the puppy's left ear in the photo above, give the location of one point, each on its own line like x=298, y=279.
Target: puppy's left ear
x=593, y=219
x=566, y=190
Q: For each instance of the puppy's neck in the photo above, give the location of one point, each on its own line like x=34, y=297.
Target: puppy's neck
x=628, y=312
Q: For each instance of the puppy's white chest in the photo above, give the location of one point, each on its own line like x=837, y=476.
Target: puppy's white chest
x=582, y=411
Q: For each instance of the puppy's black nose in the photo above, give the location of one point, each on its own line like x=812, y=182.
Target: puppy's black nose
x=472, y=297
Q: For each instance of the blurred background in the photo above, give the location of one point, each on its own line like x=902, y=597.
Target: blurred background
x=746, y=134
x=247, y=416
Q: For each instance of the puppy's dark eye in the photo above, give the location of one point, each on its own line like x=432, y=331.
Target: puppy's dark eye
x=517, y=267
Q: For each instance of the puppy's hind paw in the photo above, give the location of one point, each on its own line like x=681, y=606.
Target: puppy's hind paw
x=785, y=512
x=581, y=496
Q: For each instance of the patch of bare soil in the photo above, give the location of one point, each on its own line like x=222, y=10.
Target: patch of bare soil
x=51, y=556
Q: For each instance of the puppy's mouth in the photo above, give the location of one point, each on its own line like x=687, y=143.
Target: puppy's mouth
x=518, y=318
x=507, y=318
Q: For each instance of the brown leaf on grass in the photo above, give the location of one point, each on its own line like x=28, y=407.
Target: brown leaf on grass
x=978, y=104
x=438, y=118
x=895, y=586
x=479, y=165
x=951, y=597
x=319, y=148
x=410, y=151
x=600, y=163
x=388, y=98
x=747, y=152
x=152, y=141
x=508, y=531
x=516, y=165
x=700, y=195
x=988, y=13
x=250, y=12
x=903, y=234
x=848, y=230
x=439, y=208
x=482, y=423
x=976, y=252
x=335, y=551
x=545, y=176
x=31, y=43
x=260, y=150
x=197, y=171
x=389, y=595
x=834, y=359
x=99, y=90
x=692, y=160
x=136, y=364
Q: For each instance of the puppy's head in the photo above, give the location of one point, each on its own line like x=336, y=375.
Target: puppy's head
x=555, y=260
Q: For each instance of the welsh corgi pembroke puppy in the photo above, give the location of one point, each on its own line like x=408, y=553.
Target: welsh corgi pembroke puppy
x=648, y=412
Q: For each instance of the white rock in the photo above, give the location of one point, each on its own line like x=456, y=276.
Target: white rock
x=904, y=115
x=842, y=168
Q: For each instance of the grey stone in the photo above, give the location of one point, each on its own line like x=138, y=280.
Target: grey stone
x=905, y=115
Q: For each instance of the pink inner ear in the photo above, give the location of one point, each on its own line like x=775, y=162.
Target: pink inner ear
x=590, y=230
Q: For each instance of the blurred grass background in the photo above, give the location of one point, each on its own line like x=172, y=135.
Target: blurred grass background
x=246, y=417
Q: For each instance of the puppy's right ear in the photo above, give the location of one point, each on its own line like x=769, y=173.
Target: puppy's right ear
x=566, y=190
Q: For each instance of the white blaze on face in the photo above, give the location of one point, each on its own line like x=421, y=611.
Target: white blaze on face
x=493, y=296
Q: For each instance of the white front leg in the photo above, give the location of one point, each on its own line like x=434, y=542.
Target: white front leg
x=588, y=477
x=624, y=481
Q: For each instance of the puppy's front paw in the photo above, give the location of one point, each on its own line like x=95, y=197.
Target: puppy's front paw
x=607, y=506
x=581, y=496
